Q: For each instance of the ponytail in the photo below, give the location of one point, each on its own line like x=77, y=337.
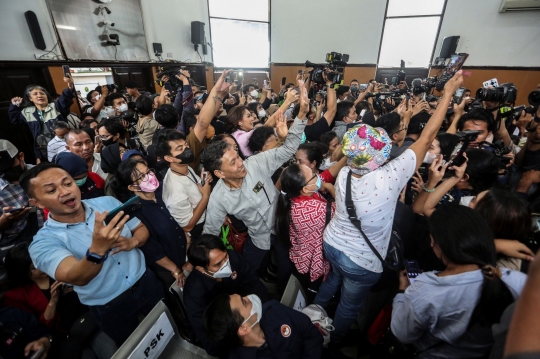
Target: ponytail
x=292, y=182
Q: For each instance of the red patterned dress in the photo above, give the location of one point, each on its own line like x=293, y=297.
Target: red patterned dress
x=308, y=220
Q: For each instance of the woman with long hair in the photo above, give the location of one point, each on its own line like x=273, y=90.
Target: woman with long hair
x=240, y=124
x=301, y=217
x=449, y=314
x=509, y=217
x=165, y=250
x=39, y=111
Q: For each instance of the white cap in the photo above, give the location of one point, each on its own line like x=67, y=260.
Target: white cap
x=7, y=152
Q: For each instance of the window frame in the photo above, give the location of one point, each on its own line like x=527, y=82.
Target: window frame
x=269, y=22
x=412, y=16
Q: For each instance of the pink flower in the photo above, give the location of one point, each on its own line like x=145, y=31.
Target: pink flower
x=376, y=144
x=362, y=132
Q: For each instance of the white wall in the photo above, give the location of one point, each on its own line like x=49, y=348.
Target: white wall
x=492, y=38
x=165, y=21
x=169, y=22
x=308, y=29
x=15, y=39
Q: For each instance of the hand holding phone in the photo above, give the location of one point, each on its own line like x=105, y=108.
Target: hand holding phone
x=413, y=270
x=131, y=207
x=13, y=210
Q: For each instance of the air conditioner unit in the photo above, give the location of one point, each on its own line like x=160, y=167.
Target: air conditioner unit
x=519, y=5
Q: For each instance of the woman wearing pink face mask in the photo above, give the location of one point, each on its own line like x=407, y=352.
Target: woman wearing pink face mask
x=165, y=250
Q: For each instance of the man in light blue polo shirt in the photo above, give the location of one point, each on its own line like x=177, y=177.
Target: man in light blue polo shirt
x=74, y=246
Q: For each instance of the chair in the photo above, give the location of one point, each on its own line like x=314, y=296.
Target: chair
x=157, y=337
x=294, y=296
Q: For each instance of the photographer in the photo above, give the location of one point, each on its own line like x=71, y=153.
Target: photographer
x=146, y=125
x=97, y=99
x=185, y=97
x=314, y=131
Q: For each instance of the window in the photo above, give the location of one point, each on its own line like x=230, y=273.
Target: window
x=240, y=33
x=410, y=32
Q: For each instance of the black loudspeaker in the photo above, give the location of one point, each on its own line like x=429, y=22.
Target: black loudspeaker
x=158, y=49
x=197, y=32
x=449, y=46
x=35, y=30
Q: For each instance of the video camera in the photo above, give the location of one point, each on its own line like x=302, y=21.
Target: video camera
x=499, y=150
x=333, y=68
x=400, y=76
x=506, y=93
x=420, y=86
x=174, y=83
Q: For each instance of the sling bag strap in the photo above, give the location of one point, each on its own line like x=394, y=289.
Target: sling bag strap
x=328, y=212
x=351, y=210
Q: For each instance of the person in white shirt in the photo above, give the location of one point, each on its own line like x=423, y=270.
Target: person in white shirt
x=58, y=143
x=184, y=194
x=79, y=143
x=375, y=189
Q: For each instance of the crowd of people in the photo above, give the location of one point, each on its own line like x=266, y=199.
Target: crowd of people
x=411, y=219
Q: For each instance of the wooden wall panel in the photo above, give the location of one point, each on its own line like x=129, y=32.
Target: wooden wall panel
x=362, y=74
x=525, y=80
x=279, y=71
x=209, y=77
x=57, y=76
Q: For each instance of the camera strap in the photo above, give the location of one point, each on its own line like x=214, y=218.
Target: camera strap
x=351, y=210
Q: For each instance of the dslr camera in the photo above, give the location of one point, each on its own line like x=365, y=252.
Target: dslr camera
x=506, y=93
x=173, y=83
x=335, y=63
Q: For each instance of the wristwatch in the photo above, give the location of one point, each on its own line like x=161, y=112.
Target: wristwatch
x=95, y=258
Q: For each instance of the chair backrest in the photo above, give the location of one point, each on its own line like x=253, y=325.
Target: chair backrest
x=157, y=337
x=294, y=295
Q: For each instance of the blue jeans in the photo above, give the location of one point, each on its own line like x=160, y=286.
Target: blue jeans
x=355, y=283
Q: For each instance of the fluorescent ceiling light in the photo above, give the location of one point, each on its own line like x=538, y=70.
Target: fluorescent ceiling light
x=65, y=27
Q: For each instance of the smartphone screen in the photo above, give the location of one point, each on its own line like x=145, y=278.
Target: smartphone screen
x=413, y=270
x=299, y=72
x=283, y=80
x=65, y=69
x=459, y=95
x=265, y=83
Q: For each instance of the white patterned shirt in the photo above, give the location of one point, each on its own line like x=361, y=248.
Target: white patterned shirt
x=375, y=196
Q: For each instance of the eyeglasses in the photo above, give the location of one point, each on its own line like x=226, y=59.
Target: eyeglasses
x=314, y=176
x=105, y=138
x=403, y=129
x=144, y=177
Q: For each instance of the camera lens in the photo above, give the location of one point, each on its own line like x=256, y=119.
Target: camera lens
x=489, y=95
x=534, y=98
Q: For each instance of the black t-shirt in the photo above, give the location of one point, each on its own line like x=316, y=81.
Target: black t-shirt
x=531, y=160
x=219, y=124
x=314, y=132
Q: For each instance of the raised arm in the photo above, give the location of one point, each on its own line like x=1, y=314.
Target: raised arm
x=290, y=97
x=184, y=95
x=64, y=102
x=459, y=110
x=209, y=109
x=100, y=103
x=421, y=146
x=433, y=199
x=331, y=101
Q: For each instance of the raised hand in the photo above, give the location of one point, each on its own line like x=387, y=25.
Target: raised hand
x=16, y=101
x=281, y=126
x=453, y=84
x=104, y=236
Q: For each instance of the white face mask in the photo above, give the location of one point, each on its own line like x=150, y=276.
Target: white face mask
x=466, y=200
x=256, y=308
x=123, y=107
x=262, y=113
x=223, y=272
x=429, y=157
x=254, y=93
x=107, y=112
x=97, y=97
x=252, y=101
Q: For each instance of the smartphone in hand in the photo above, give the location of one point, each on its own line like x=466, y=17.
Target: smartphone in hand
x=132, y=206
x=14, y=210
x=203, y=178
x=413, y=270
x=66, y=70
x=283, y=80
